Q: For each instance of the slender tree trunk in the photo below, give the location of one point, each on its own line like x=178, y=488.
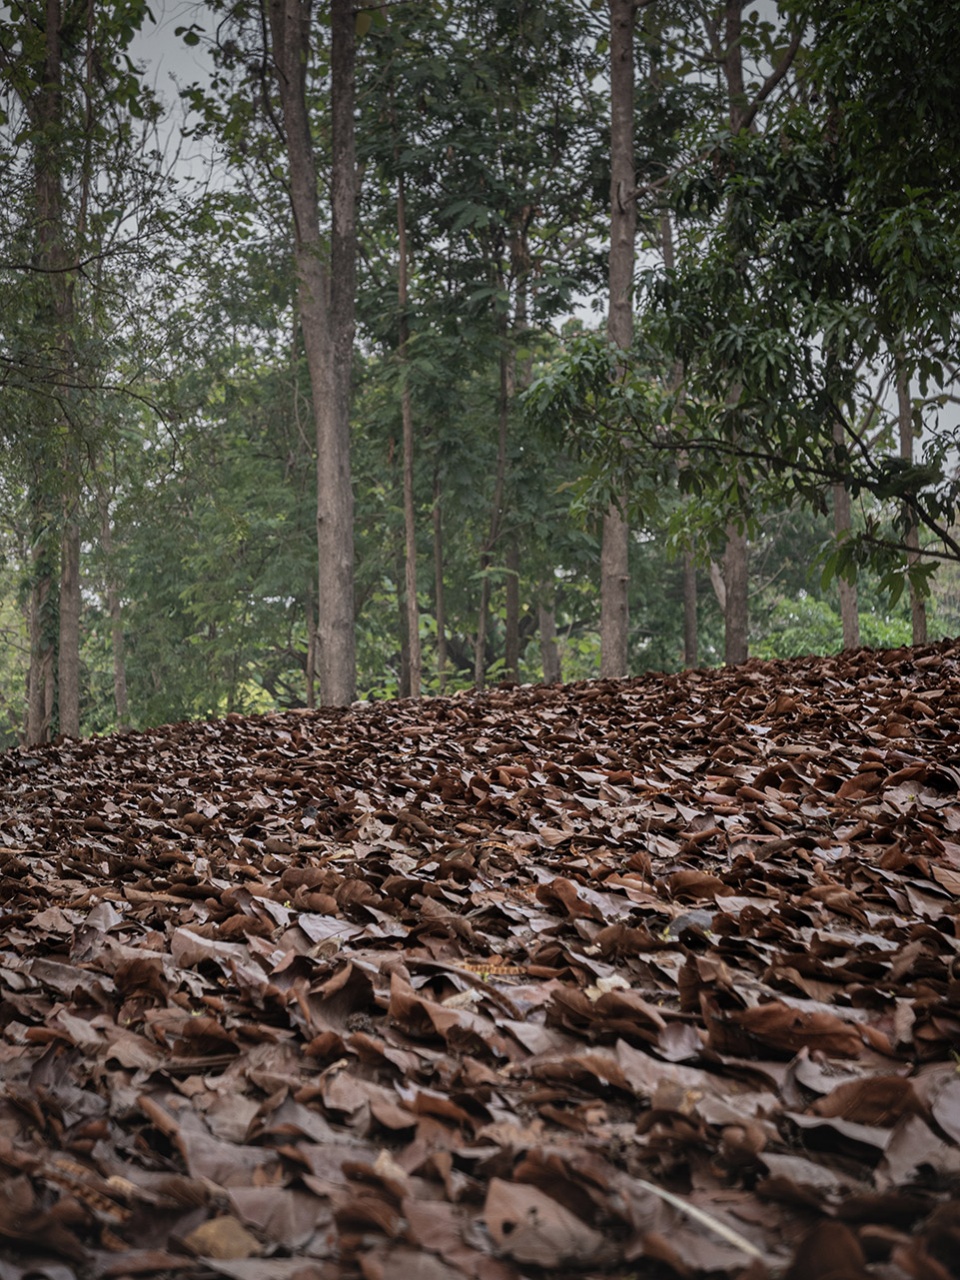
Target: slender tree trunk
x=326, y=303
x=439, y=594
x=918, y=606
x=40, y=680
x=736, y=555
x=115, y=613
x=53, y=474
x=496, y=513
x=512, y=616
x=549, y=650
x=842, y=524
x=614, y=555
x=690, y=621
x=311, y=662
x=736, y=612
x=68, y=653
x=690, y=652
x=403, y=629
x=413, y=680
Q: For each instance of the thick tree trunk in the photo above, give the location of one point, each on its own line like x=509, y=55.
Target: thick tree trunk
x=842, y=523
x=439, y=594
x=549, y=650
x=614, y=556
x=918, y=606
x=414, y=677
x=512, y=615
x=736, y=610
x=326, y=304
x=690, y=651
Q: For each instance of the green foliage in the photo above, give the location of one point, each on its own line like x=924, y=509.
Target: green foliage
x=810, y=253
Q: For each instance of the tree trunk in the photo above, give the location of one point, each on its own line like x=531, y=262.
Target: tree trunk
x=842, y=524
x=918, y=606
x=496, y=511
x=53, y=473
x=735, y=560
x=40, y=680
x=614, y=556
x=326, y=304
x=549, y=650
x=406, y=408
x=311, y=662
x=403, y=630
x=736, y=611
x=439, y=597
x=512, y=617
x=68, y=653
x=690, y=652
x=121, y=700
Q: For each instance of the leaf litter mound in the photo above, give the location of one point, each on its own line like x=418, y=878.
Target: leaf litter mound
x=651, y=978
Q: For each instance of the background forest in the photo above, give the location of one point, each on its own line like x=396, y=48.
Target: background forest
x=566, y=338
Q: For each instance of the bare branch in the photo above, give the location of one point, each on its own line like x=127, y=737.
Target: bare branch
x=773, y=79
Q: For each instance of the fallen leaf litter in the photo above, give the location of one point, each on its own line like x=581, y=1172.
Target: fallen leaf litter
x=644, y=979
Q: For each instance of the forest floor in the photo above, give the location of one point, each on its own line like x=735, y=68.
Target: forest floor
x=644, y=979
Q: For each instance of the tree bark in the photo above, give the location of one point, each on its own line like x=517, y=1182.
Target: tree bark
x=512, y=616
x=403, y=629
x=736, y=611
x=310, y=672
x=414, y=662
x=614, y=555
x=68, y=652
x=496, y=511
x=439, y=595
x=549, y=650
x=918, y=606
x=121, y=700
x=40, y=679
x=690, y=631
x=735, y=560
x=326, y=303
x=842, y=524
x=53, y=474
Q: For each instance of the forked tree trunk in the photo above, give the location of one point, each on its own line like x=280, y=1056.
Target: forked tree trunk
x=614, y=555
x=918, y=606
x=326, y=304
